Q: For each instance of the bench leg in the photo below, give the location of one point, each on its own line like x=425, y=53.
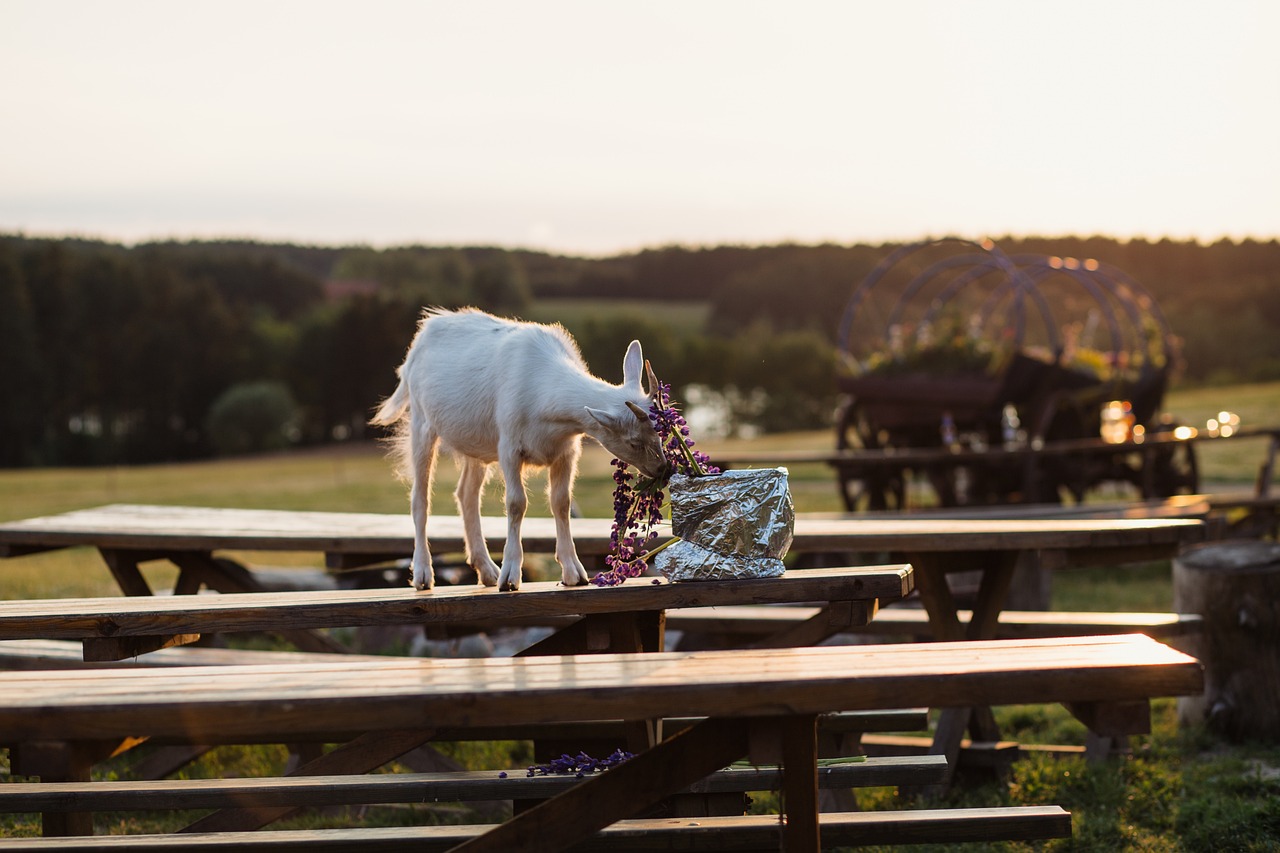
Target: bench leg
x=362, y=755
x=625, y=790
x=60, y=762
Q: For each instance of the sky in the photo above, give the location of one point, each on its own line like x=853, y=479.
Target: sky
x=595, y=128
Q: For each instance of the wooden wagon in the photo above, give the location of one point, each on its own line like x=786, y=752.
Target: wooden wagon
x=975, y=350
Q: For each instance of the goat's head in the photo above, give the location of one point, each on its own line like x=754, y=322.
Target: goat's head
x=628, y=433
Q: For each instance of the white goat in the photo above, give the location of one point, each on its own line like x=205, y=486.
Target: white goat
x=494, y=390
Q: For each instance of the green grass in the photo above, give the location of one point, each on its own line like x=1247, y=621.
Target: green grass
x=1181, y=790
x=682, y=318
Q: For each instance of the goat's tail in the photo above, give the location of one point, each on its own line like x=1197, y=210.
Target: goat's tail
x=392, y=408
x=392, y=413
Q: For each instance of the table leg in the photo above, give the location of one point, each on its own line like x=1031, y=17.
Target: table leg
x=605, y=633
x=833, y=618
x=993, y=589
x=124, y=568
x=800, y=782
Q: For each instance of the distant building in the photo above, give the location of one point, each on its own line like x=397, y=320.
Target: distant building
x=344, y=288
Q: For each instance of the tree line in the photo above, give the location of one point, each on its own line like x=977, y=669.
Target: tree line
x=162, y=351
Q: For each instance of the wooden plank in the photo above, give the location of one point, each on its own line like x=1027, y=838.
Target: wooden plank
x=69, y=654
x=198, y=702
x=141, y=527
x=463, y=786
x=123, y=648
x=362, y=755
x=744, y=833
x=750, y=621
x=276, y=611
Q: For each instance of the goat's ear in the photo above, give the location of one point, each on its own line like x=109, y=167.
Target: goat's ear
x=641, y=414
x=606, y=419
x=632, y=365
x=652, y=379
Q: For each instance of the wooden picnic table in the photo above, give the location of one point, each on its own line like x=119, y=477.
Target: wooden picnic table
x=761, y=703
x=628, y=618
x=127, y=534
x=935, y=548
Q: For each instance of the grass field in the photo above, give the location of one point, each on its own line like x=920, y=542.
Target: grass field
x=1181, y=790
x=680, y=317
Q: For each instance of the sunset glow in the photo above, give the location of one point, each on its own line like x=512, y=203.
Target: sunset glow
x=594, y=128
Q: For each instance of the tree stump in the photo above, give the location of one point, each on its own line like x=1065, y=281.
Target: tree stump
x=1235, y=587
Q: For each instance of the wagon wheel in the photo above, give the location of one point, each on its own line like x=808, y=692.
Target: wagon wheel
x=877, y=488
x=1174, y=471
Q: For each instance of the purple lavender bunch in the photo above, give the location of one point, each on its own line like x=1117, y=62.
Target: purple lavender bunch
x=637, y=501
x=579, y=765
x=674, y=432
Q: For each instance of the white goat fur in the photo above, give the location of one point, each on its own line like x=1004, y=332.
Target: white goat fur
x=495, y=390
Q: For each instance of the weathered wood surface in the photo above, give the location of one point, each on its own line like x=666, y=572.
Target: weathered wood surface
x=400, y=693
x=1176, y=506
x=83, y=618
x=458, y=786
x=751, y=621
x=389, y=536
x=743, y=833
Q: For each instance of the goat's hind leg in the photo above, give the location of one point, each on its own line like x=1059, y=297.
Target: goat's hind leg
x=560, y=478
x=424, y=442
x=470, y=487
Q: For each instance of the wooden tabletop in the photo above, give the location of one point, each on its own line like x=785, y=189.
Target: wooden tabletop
x=406, y=693
x=52, y=619
x=390, y=535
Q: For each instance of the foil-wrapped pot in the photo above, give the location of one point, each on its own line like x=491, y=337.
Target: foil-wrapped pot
x=733, y=525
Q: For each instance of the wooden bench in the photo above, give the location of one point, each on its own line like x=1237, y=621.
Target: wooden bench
x=743, y=624
x=460, y=786
x=760, y=703
x=621, y=618
x=839, y=733
x=741, y=833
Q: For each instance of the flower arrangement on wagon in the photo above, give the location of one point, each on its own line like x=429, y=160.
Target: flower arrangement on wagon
x=727, y=525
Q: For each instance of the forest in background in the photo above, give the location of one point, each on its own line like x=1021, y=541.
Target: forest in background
x=114, y=354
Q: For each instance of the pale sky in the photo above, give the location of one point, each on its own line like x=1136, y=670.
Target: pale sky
x=600, y=127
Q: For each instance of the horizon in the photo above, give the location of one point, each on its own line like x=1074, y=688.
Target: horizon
x=595, y=131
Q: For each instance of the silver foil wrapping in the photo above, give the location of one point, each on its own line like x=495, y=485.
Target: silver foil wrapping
x=733, y=525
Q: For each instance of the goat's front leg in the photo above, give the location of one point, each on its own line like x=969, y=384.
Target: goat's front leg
x=470, y=488
x=517, y=504
x=560, y=478
x=423, y=451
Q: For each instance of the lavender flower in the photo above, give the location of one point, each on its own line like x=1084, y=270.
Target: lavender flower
x=637, y=502
x=579, y=765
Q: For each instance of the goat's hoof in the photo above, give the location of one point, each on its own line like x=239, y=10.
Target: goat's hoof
x=509, y=587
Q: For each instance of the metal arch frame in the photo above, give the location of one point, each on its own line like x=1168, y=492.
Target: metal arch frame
x=1024, y=275
x=1022, y=287
x=1114, y=282
x=881, y=269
